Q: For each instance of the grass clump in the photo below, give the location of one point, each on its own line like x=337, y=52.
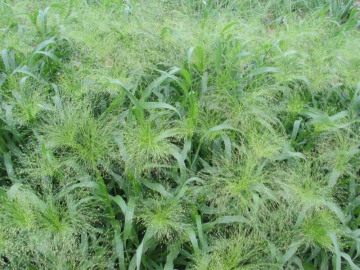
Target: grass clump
x=75, y=135
x=318, y=227
x=184, y=134
x=151, y=141
x=165, y=218
x=235, y=253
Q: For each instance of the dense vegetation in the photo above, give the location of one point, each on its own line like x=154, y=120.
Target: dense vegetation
x=179, y=134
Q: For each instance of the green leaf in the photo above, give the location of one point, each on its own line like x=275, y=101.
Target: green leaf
x=225, y=220
x=8, y=60
x=218, y=57
x=115, y=103
x=13, y=190
x=263, y=70
x=120, y=202
x=187, y=76
x=119, y=250
x=204, y=83
x=295, y=130
x=132, y=98
x=334, y=176
x=49, y=54
x=67, y=190
x=155, y=84
x=24, y=70
x=336, y=210
x=181, y=191
x=45, y=44
x=202, y=238
x=2, y=78
x=143, y=247
x=336, y=251
x=159, y=105
x=349, y=260
x=174, y=252
x=193, y=240
x=290, y=252
x=129, y=215
x=221, y=127
x=9, y=166
x=309, y=266
x=229, y=26
x=157, y=187
x=181, y=162
x=200, y=54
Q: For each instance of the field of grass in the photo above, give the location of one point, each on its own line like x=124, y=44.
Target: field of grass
x=180, y=134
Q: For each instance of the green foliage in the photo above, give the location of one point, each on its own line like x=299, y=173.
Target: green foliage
x=74, y=134
x=243, y=250
x=179, y=134
x=165, y=218
x=318, y=227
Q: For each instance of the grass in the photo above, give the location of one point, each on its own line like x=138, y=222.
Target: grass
x=187, y=134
